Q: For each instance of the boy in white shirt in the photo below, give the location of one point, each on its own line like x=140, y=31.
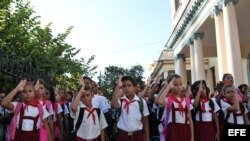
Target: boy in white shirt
x=89, y=121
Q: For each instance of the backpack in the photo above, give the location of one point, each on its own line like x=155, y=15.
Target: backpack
x=48, y=103
x=169, y=105
x=119, y=110
x=198, y=109
x=80, y=118
x=118, y=114
x=11, y=128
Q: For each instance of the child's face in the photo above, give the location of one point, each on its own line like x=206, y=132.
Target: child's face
x=230, y=92
x=87, y=82
x=229, y=79
x=28, y=93
x=87, y=98
x=57, y=96
x=177, y=88
x=203, y=91
x=128, y=88
x=68, y=97
x=94, y=88
x=100, y=93
x=41, y=90
x=62, y=94
x=138, y=88
x=47, y=95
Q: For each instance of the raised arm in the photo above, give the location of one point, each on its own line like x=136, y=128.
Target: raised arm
x=145, y=90
x=235, y=107
x=116, y=94
x=217, y=127
x=77, y=99
x=191, y=125
x=6, y=102
x=161, y=98
x=197, y=97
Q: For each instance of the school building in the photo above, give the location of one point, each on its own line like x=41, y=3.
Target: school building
x=209, y=38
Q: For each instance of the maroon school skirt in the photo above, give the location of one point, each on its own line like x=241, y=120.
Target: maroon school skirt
x=26, y=135
x=178, y=132
x=204, y=131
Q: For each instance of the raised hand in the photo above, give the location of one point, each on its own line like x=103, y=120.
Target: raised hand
x=21, y=85
x=37, y=85
x=158, y=79
x=171, y=84
x=119, y=81
x=200, y=87
x=81, y=81
x=82, y=90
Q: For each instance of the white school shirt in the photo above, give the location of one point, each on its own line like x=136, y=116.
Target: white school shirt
x=100, y=102
x=131, y=121
x=179, y=116
x=207, y=116
x=33, y=112
x=51, y=112
x=66, y=110
x=59, y=110
x=240, y=119
x=89, y=130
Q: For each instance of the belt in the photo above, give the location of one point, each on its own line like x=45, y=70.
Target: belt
x=130, y=133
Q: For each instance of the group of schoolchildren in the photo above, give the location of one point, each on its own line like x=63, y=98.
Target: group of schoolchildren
x=194, y=114
x=163, y=110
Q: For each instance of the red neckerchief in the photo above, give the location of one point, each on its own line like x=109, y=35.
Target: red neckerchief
x=203, y=101
x=63, y=102
x=37, y=101
x=126, y=105
x=181, y=108
x=29, y=104
x=228, y=101
x=91, y=112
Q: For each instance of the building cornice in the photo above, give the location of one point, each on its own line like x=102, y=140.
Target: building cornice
x=180, y=56
x=192, y=11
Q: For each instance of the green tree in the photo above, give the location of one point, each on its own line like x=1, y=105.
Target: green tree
x=107, y=81
x=35, y=52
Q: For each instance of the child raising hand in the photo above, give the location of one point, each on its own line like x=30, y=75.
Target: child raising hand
x=30, y=115
x=177, y=121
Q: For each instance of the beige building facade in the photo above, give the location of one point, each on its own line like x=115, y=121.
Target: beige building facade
x=209, y=38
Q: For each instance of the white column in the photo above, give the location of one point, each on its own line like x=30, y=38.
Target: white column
x=192, y=60
x=180, y=68
x=198, y=53
x=232, y=41
x=220, y=42
x=209, y=80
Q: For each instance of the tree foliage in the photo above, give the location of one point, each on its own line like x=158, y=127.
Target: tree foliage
x=107, y=81
x=22, y=36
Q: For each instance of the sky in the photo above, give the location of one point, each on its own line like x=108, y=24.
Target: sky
x=117, y=32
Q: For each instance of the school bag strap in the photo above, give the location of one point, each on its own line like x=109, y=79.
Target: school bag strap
x=81, y=115
x=11, y=129
x=141, y=106
x=55, y=106
x=169, y=105
x=187, y=103
x=40, y=111
x=48, y=103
